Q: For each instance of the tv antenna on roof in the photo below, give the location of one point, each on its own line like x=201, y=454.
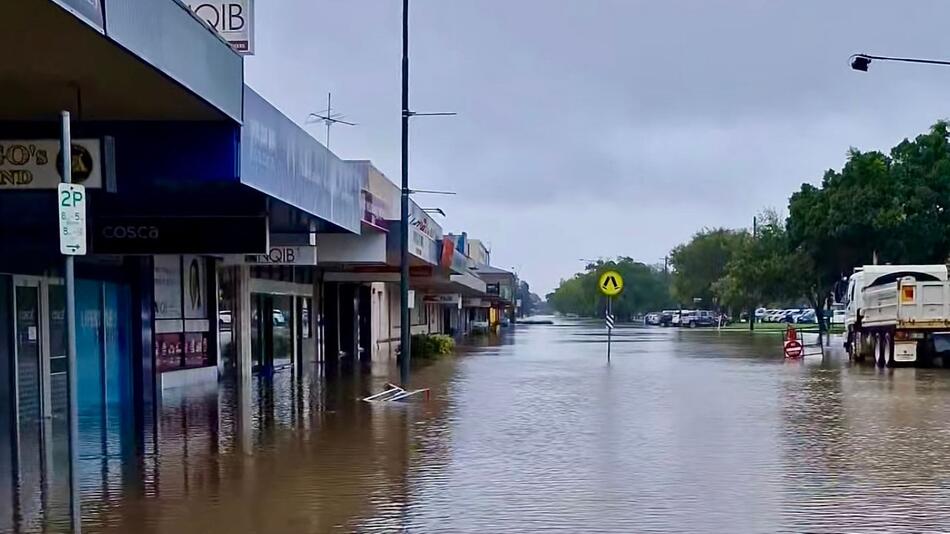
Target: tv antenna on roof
x=328, y=117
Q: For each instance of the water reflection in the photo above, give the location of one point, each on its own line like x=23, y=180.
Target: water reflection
x=683, y=432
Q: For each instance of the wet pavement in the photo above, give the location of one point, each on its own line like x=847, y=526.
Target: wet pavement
x=685, y=431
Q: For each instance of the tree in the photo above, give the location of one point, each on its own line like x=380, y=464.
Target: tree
x=922, y=169
x=762, y=269
x=699, y=264
x=645, y=289
x=877, y=209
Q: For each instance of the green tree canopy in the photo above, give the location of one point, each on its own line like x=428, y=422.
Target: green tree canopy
x=699, y=264
x=646, y=289
x=763, y=268
x=889, y=209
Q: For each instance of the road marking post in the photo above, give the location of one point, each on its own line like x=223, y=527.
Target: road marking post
x=610, y=284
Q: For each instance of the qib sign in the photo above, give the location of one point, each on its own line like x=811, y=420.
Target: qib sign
x=234, y=20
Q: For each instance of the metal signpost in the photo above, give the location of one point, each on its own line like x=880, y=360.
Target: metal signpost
x=610, y=284
x=71, y=200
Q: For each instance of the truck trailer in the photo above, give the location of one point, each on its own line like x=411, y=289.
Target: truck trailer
x=898, y=314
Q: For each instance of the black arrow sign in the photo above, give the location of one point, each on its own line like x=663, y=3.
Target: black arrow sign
x=611, y=281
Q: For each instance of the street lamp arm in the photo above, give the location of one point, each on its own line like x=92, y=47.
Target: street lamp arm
x=899, y=59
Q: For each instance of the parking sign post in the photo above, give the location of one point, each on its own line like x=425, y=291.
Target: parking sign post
x=71, y=201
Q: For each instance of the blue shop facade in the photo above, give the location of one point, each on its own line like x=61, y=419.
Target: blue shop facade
x=204, y=203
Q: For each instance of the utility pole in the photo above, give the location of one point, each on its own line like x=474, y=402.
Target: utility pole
x=755, y=234
x=405, y=326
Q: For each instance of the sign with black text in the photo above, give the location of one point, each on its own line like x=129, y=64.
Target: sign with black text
x=72, y=219
x=277, y=255
x=179, y=235
x=35, y=164
x=233, y=19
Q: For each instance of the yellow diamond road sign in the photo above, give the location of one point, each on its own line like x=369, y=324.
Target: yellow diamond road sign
x=611, y=283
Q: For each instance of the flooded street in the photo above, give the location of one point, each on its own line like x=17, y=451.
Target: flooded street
x=685, y=431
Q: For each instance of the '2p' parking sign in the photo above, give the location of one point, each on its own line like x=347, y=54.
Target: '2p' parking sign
x=71, y=199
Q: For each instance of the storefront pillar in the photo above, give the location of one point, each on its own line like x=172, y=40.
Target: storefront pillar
x=316, y=317
x=242, y=321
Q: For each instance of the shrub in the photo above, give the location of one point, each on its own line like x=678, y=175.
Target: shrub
x=429, y=347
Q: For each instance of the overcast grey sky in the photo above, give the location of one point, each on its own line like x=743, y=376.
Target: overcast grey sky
x=592, y=128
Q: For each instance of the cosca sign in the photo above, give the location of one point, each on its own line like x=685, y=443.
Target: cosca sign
x=131, y=231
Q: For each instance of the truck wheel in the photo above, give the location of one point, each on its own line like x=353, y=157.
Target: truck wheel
x=879, y=341
x=859, y=346
x=867, y=346
x=889, y=349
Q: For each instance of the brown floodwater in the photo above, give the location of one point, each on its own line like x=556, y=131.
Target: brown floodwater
x=684, y=431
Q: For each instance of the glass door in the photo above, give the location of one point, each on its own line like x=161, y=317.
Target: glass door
x=282, y=339
x=31, y=439
x=258, y=334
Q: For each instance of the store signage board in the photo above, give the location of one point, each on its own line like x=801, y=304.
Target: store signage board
x=88, y=10
x=72, y=219
x=179, y=235
x=450, y=299
x=35, y=164
x=233, y=19
x=277, y=255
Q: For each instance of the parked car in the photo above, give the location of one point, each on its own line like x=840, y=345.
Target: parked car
x=652, y=319
x=792, y=315
x=677, y=317
x=760, y=313
x=695, y=318
x=789, y=315
x=837, y=316
x=784, y=316
x=775, y=316
x=807, y=317
x=666, y=317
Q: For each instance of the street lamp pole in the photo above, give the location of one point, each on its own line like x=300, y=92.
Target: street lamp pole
x=406, y=328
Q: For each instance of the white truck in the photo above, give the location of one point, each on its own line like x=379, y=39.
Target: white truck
x=898, y=313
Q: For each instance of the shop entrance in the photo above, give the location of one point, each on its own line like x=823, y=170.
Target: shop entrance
x=33, y=310
x=33, y=385
x=280, y=331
